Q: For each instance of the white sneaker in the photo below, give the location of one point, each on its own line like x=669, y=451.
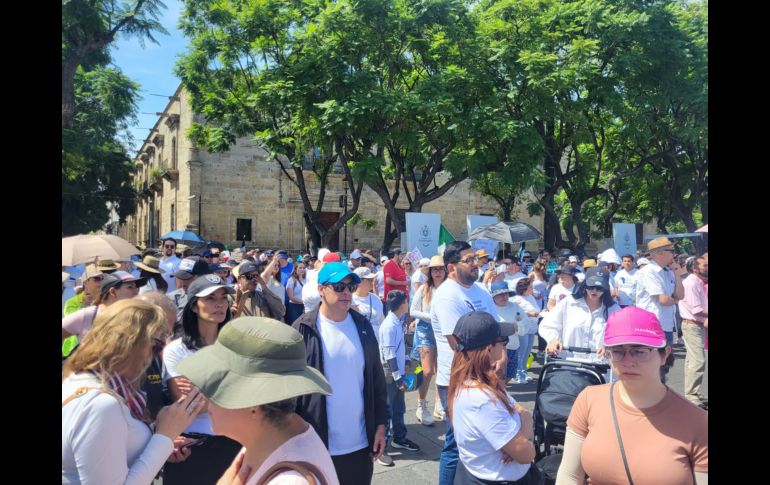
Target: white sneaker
x=385, y=460
x=423, y=415
x=438, y=412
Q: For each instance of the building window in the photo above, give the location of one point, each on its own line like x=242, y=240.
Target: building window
x=243, y=230
x=173, y=153
x=173, y=217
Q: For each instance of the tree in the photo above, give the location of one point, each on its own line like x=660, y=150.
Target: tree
x=95, y=166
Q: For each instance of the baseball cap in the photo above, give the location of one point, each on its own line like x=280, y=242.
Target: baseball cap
x=355, y=255
x=383, y=259
x=364, y=272
x=245, y=267
x=335, y=272
x=331, y=257
x=424, y=263
x=499, y=287
x=642, y=261
x=476, y=329
x=598, y=277
x=322, y=253
x=610, y=256
x=283, y=255
x=573, y=259
x=117, y=278
x=190, y=267
x=206, y=285
x=254, y=361
x=632, y=325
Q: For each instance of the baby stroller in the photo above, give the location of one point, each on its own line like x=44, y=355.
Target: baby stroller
x=560, y=382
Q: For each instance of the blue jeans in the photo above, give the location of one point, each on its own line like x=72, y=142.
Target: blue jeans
x=396, y=428
x=525, y=346
x=670, y=337
x=447, y=464
x=513, y=361
x=423, y=338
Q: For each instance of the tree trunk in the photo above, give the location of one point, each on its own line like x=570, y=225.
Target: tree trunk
x=68, y=70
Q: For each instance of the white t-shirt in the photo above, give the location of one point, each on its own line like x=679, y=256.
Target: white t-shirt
x=650, y=281
x=370, y=307
x=451, y=301
x=513, y=279
x=482, y=426
x=277, y=289
x=343, y=361
x=173, y=353
x=296, y=287
x=310, y=296
x=80, y=322
x=528, y=304
x=512, y=313
x=102, y=443
x=170, y=266
x=418, y=278
x=559, y=292
x=625, y=282
x=380, y=283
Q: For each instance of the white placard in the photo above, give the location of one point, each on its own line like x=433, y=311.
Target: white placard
x=625, y=238
x=422, y=232
x=474, y=221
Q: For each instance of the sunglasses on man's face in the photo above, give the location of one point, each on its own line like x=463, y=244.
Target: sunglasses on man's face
x=249, y=276
x=98, y=279
x=340, y=287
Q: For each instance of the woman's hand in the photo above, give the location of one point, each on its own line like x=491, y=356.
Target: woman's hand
x=176, y=417
x=180, y=452
x=554, y=347
x=184, y=385
x=237, y=473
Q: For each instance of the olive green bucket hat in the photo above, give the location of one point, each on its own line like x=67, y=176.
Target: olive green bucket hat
x=254, y=361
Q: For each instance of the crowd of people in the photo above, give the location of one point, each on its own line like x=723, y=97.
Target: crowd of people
x=265, y=367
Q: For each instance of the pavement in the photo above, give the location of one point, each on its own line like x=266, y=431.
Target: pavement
x=421, y=468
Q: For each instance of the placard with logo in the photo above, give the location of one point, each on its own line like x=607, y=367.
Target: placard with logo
x=422, y=232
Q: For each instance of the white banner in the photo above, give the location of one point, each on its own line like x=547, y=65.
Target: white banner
x=414, y=256
x=422, y=231
x=474, y=221
x=625, y=238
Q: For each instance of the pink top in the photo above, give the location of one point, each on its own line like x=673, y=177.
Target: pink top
x=80, y=322
x=306, y=447
x=695, y=299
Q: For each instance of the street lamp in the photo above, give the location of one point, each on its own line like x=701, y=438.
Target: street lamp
x=200, y=213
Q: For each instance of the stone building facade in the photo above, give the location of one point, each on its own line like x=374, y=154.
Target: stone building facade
x=224, y=196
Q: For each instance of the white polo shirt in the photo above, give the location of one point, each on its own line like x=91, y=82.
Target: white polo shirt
x=653, y=280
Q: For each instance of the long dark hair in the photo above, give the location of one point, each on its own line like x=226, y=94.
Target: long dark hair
x=160, y=283
x=580, y=289
x=191, y=336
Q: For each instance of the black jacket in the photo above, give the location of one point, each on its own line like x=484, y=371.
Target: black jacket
x=312, y=407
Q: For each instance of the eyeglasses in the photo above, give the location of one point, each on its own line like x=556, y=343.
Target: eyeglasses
x=167, y=246
x=503, y=340
x=470, y=260
x=639, y=354
x=669, y=250
x=249, y=276
x=595, y=288
x=340, y=287
x=98, y=278
x=438, y=268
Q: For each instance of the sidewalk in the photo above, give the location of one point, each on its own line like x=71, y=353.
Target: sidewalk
x=421, y=468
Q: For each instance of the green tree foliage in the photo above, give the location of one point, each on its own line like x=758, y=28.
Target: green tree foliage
x=95, y=166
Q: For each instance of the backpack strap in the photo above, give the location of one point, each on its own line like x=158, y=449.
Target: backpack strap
x=79, y=392
x=311, y=472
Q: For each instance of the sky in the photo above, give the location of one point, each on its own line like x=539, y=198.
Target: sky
x=152, y=67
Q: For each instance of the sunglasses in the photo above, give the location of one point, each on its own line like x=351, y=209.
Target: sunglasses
x=168, y=246
x=340, y=287
x=249, y=276
x=595, y=288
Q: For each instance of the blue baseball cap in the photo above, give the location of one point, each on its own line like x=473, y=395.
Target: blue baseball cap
x=334, y=273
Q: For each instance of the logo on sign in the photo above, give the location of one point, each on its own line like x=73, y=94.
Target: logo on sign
x=425, y=239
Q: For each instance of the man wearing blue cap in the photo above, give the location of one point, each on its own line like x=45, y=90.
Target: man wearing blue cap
x=341, y=344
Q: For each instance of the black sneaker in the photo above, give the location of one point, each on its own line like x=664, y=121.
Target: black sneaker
x=405, y=444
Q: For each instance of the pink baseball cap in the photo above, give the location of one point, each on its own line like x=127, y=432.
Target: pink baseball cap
x=632, y=325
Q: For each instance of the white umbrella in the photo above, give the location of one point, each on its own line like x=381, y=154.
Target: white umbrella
x=703, y=229
x=87, y=248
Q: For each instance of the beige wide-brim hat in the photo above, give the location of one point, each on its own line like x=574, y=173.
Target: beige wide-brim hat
x=659, y=242
x=254, y=361
x=106, y=265
x=151, y=264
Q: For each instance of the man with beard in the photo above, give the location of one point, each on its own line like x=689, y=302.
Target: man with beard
x=694, y=308
x=458, y=295
x=169, y=263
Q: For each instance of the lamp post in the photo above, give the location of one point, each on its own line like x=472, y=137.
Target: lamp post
x=200, y=212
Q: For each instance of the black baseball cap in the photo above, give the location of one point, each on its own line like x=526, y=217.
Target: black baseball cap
x=567, y=269
x=596, y=276
x=190, y=267
x=476, y=329
x=207, y=285
x=118, y=278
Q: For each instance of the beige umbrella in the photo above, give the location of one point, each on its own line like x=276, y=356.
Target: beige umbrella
x=703, y=229
x=87, y=248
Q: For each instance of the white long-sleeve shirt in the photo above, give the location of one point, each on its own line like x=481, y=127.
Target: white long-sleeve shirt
x=417, y=309
x=102, y=443
x=575, y=325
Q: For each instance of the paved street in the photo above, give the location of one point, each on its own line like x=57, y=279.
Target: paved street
x=421, y=468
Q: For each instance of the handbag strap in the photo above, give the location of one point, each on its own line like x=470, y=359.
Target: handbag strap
x=310, y=472
x=617, y=431
x=79, y=392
